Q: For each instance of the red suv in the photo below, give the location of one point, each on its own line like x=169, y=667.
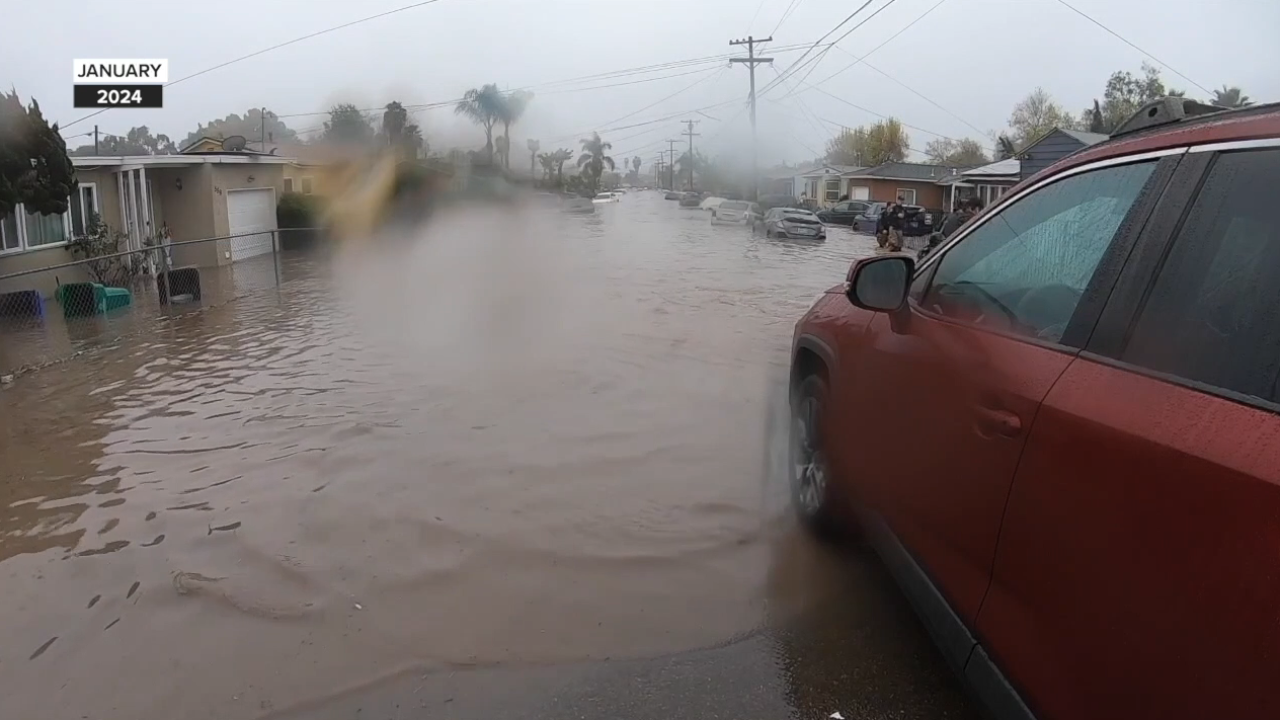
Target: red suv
x=1060, y=431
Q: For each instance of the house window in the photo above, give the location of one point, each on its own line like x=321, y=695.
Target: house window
x=10, y=240
x=908, y=196
x=306, y=186
x=84, y=207
x=859, y=192
x=43, y=230
x=833, y=190
x=288, y=185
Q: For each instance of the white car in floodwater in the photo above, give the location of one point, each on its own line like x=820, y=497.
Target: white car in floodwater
x=606, y=197
x=711, y=203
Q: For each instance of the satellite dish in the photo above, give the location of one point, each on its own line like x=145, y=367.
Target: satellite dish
x=235, y=143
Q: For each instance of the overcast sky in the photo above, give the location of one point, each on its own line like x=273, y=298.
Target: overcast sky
x=975, y=58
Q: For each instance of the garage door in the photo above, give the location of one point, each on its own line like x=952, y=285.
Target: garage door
x=250, y=211
x=859, y=193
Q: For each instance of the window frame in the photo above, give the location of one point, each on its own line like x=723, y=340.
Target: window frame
x=288, y=184
x=18, y=231
x=902, y=193
x=1123, y=310
x=306, y=185
x=84, y=218
x=1085, y=318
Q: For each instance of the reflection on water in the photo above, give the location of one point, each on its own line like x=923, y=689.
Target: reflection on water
x=521, y=437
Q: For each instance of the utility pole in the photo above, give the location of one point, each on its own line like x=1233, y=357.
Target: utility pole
x=751, y=61
x=95, y=140
x=262, y=114
x=671, y=170
x=689, y=133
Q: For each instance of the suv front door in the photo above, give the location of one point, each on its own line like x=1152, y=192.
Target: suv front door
x=946, y=390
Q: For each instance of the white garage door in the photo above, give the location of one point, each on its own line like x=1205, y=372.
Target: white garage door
x=859, y=193
x=250, y=211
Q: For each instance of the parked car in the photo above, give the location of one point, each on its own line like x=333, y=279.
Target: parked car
x=919, y=221
x=673, y=195
x=711, y=203
x=845, y=212
x=792, y=223
x=769, y=202
x=606, y=197
x=1061, y=430
x=691, y=199
x=736, y=212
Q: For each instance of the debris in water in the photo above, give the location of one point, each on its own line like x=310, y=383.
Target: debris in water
x=133, y=589
x=222, y=528
x=359, y=606
x=836, y=715
x=42, y=648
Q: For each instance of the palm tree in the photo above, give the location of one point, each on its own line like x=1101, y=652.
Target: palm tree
x=636, y=162
x=510, y=110
x=484, y=107
x=502, y=145
x=593, y=161
x=1231, y=97
x=548, y=162
x=560, y=157
x=534, y=146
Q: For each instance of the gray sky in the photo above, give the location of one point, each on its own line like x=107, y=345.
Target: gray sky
x=975, y=58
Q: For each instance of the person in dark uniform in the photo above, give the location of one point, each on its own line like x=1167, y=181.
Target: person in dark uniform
x=895, y=219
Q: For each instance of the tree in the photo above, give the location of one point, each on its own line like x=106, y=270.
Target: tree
x=347, y=125
x=534, y=146
x=138, y=141
x=867, y=146
x=34, y=167
x=510, y=110
x=636, y=162
x=593, y=160
x=250, y=126
x=1126, y=93
x=960, y=153
x=1005, y=149
x=400, y=134
x=553, y=165
x=1035, y=115
x=484, y=107
x=1230, y=97
x=1096, y=122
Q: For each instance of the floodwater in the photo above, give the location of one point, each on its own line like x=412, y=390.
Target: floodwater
x=513, y=439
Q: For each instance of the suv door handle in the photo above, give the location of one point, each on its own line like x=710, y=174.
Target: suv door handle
x=997, y=422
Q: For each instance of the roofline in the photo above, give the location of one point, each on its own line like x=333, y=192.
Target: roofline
x=930, y=180
x=173, y=160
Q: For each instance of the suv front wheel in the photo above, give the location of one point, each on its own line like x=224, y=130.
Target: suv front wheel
x=809, y=473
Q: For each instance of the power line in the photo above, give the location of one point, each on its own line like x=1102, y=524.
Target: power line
x=874, y=49
x=785, y=14
x=823, y=54
x=1122, y=39
x=792, y=68
x=277, y=46
x=756, y=14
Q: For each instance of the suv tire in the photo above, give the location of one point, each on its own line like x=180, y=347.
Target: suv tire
x=808, y=473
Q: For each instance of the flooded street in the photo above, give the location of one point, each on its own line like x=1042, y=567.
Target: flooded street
x=521, y=441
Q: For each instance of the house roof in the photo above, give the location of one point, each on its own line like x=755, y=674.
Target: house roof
x=829, y=170
x=177, y=160
x=1086, y=138
x=1011, y=168
x=911, y=172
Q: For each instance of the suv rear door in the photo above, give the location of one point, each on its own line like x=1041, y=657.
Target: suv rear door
x=941, y=399
x=1138, y=573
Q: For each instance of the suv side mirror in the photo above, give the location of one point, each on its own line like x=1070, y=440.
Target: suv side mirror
x=881, y=283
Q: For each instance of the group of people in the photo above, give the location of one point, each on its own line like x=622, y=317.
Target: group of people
x=894, y=219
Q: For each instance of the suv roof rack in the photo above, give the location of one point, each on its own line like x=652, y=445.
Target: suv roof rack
x=1164, y=111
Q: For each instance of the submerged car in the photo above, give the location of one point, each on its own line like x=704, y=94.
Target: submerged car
x=672, y=195
x=1061, y=429
x=735, y=212
x=691, y=200
x=792, y=223
x=606, y=197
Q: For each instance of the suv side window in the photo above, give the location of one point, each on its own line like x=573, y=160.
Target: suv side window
x=1213, y=314
x=1025, y=269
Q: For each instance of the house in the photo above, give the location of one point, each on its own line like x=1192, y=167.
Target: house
x=152, y=198
x=824, y=184
x=915, y=183
x=1052, y=147
x=311, y=169
x=988, y=182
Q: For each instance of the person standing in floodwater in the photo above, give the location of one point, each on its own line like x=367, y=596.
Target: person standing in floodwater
x=894, y=222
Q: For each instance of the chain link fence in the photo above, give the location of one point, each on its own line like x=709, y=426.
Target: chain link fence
x=54, y=310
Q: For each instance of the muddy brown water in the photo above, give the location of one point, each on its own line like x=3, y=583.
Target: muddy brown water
x=515, y=437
